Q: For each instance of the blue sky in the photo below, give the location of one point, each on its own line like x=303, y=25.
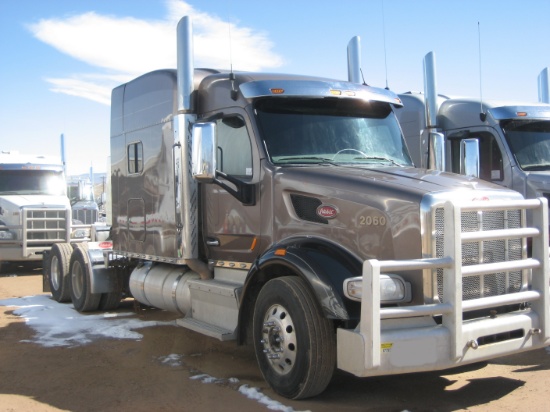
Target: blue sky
x=59, y=59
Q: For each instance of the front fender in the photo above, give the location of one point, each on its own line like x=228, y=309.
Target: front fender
x=324, y=265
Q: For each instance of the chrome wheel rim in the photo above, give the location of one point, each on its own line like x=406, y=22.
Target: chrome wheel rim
x=279, y=339
x=55, y=274
x=77, y=279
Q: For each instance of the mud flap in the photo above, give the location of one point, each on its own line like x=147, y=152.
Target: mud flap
x=45, y=271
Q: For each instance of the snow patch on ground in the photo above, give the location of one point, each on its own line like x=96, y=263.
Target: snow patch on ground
x=58, y=324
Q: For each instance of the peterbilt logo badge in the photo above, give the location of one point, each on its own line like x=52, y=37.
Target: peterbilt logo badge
x=327, y=211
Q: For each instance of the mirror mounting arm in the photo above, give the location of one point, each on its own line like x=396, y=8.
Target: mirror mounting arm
x=245, y=193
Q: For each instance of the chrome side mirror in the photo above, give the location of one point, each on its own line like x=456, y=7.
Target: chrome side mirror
x=203, y=158
x=436, y=151
x=469, y=157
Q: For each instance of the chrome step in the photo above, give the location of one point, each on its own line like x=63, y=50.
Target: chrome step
x=206, y=329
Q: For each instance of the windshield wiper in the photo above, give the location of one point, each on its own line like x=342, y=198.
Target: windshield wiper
x=532, y=168
x=386, y=159
x=298, y=158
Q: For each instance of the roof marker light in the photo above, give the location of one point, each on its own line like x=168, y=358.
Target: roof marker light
x=336, y=92
x=277, y=90
x=521, y=114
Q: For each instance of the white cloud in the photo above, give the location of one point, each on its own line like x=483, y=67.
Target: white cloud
x=94, y=89
x=130, y=47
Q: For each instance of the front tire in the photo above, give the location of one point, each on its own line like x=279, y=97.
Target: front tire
x=58, y=276
x=295, y=343
x=82, y=297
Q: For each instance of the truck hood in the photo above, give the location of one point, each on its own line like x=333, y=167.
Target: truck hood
x=42, y=201
x=405, y=182
x=371, y=212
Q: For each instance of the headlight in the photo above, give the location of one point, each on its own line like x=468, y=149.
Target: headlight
x=393, y=289
x=6, y=235
x=80, y=233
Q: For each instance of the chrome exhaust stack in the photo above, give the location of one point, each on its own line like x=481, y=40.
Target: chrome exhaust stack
x=436, y=140
x=185, y=70
x=187, y=220
x=430, y=91
x=354, y=60
x=544, y=88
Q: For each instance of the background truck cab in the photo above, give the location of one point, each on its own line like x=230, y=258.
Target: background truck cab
x=34, y=209
x=511, y=140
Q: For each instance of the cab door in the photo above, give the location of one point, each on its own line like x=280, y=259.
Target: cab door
x=231, y=228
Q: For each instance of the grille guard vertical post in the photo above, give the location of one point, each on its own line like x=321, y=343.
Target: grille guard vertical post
x=540, y=276
x=370, y=313
x=452, y=276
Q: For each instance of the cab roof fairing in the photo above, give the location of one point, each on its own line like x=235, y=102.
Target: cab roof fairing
x=317, y=88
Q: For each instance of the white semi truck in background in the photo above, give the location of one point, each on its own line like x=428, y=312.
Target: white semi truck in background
x=284, y=211
x=507, y=143
x=85, y=209
x=34, y=209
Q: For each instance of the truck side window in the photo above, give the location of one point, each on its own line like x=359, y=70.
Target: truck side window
x=234, y=150
x=135, y=158
x=497, y=172
x=490, y=157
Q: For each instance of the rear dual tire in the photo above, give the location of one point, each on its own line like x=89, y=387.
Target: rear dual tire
x=82, y=297
x=58, y=271
x=81, y=285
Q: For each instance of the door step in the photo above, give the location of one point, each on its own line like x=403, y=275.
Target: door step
x=214, y=308
x=206, y=329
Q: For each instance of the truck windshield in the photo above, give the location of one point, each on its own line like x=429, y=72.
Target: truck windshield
x=342, y=131
x=31, y=182
x=529, y=141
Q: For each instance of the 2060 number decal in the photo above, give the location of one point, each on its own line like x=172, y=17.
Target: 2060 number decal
x=372, y=221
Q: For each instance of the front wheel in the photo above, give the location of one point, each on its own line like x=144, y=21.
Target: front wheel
x=82, y=297
x=295, y=344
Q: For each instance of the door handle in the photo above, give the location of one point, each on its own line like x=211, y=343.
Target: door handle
x=212, y=242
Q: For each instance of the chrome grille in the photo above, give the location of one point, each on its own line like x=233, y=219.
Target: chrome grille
x=45, y=226
x=490, y=251
x=86, y=216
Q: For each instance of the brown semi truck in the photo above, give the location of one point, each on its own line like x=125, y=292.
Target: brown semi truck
x=284, y=211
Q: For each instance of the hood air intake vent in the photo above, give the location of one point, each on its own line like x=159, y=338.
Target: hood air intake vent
x=306, y=208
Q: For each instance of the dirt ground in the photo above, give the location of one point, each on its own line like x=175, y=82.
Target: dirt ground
x=126, y=375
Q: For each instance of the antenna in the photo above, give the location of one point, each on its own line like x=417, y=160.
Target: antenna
x=482, y=115
x=230, y=49
x=363, y=77
x=384, y=37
